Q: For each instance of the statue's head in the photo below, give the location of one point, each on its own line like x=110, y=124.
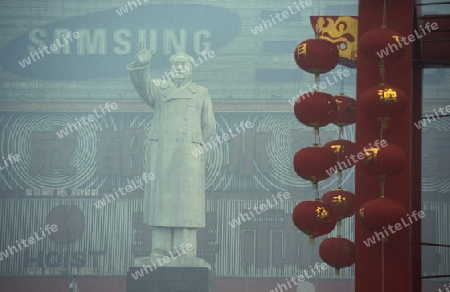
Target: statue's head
x=181, y=64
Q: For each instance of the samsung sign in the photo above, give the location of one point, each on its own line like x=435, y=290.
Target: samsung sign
x=101, y=44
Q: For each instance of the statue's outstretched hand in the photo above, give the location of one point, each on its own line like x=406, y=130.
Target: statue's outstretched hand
x=143, y=55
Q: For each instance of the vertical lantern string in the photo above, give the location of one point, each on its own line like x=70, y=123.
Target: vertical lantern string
x=341, y=88
x=341, y=132
x=317, y=76
x=316, y=32
x=316, y=190
x=318, y=16
x=382, y=184
x=382, y=75
x=382, y=72
x=382, y=83
x=339, y=180
x=317, y=136
x=382, y=266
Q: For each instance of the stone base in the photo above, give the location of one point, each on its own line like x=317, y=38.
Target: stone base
x=171, y=279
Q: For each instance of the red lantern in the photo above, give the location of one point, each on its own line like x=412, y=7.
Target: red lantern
x=346, y=110
x=342, y=149
x=379, y=213
x=383, y=102
x=383, y=162
x=342, y=202
x=314, y=218
x=381, y=45
x=314, y=163
x=337, y=252
x=315, y=109
x=316, y=56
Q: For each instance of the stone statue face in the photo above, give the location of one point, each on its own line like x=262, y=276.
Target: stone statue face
x=181, y=67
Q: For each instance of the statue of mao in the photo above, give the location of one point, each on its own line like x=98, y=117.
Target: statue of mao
x=174, y=202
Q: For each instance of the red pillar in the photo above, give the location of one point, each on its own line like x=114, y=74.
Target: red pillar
x=397, y=251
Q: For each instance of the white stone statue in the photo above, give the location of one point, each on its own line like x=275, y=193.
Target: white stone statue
x=174, y=202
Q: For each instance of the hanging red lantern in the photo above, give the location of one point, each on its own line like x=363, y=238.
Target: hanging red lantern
x=337, y=252
x=381, y=45
x=314, y=163
x=316, y=56
x=383, y=162
x=342, y=202
x=343, y=149
x=314, y=218
x=346, y=110
x=315, y=109
x=379, y=213
x=383, y=102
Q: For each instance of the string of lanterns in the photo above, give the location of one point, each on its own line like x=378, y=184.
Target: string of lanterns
x=318, y=109
x=383, y=103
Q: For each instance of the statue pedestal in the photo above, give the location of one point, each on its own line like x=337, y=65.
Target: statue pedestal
x=171, y=279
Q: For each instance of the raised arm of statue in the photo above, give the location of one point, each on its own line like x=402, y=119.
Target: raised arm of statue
x=140, y=75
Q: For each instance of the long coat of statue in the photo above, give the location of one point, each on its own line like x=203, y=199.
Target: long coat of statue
x=183, y=119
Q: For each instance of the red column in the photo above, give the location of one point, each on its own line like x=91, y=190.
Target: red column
x=397, y=251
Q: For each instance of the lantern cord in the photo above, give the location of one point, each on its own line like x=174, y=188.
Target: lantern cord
x=341, y=132
x=382, y=72
x=316, y=190
x=382, y=266
x=317, y=28
x=342, y=82
x=383, y=21
x=384, y=125
x=382, y=183
x=318, y=19
x=339, y=182
x=318, y=7
x=317, y=136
